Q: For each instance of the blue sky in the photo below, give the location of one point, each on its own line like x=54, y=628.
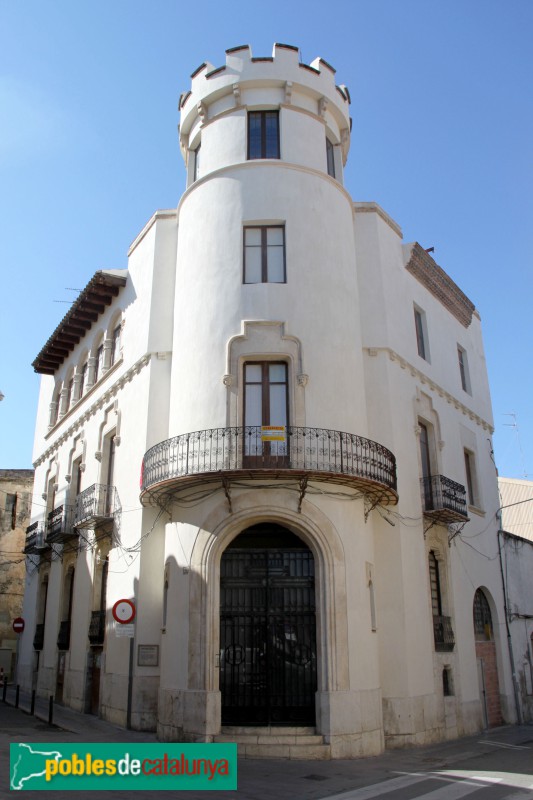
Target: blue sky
x=442, y=107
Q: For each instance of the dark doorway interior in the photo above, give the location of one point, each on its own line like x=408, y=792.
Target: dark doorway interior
x=267, y=629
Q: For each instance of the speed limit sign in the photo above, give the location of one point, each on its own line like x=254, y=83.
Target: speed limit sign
x=124, y=611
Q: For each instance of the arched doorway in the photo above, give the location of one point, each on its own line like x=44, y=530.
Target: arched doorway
x=268, y=658
x=487, y=667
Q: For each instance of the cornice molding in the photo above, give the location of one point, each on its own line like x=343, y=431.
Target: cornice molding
x=369, y=207
x=99, y=402
x=263, y=163
x=420, y=264
x=425, y=380
x=168, y=213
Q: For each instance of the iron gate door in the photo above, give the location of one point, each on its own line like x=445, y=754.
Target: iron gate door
x=267, y=636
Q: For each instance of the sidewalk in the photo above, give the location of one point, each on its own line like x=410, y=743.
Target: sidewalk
x=258, y=779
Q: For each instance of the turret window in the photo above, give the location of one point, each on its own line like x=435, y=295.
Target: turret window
x=264, y=254
x=263, y=134
x=330, y=156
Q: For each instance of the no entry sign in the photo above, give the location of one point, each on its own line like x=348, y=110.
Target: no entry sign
x=124, y=611
x=18, y=625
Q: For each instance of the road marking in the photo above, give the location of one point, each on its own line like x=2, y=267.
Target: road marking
x=383, y=787
x=453, y=791
x=455, y=788
x=505, y=745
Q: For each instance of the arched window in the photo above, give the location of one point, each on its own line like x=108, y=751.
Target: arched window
x=482, y=617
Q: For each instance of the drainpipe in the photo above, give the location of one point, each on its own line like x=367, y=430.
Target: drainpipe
x=509, y=640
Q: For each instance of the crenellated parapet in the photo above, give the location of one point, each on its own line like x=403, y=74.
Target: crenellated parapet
x=277, y=81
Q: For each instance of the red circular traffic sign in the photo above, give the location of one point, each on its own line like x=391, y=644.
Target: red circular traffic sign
x=18, y=625
x=124, y=611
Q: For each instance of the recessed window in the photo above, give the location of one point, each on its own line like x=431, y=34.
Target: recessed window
x=442, y=627
x=421, y=334
x=265, y=404
x=196, y=164
x=471, y=478
x=83, y=379
x=447, y=682
x=263, y=134
x=264, y=254
x=115, y=352
x=98, y=367
x=463, y=369
x=482, y=617
x=68, y=400
x=11, y=511
x=330, y=157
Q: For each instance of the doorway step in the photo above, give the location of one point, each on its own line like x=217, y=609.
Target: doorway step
x=271, y=742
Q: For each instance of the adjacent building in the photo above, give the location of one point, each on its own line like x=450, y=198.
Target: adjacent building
x=271, y=435
x=16, y=487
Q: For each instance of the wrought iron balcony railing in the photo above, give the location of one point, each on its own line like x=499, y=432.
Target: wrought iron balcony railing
x=59, y=524
x=38, y=639
x=35, y=539
x=443, y=634
x=443, y=499
x=63, y=639
x=96, y=505
x=97, y=627
x=317, y=453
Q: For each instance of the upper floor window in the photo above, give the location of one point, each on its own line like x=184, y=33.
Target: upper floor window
x=99, y=363
x=471, y=478
x=68, y=400
x=83, y=379
x=482, y=616
x=330, y=156
x=421, y=334
x=196, y=164
x=434, y=585
x=264, y=254
x=463, y=369
x=10, y=512
x=263, y=134
x=115, y=352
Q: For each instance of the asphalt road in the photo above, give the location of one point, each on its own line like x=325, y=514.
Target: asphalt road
x=497, y=765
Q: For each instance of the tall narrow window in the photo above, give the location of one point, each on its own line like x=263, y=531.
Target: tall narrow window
x=196, y=165
x=434, y=582
x=11, y=512
x=463, y=369
x=83, y=379
x=99, y=363
x=330, y=156
x=471, y=481
x=425, y=464
x=421, y=334
x=442, y=627
x=265, y=405
x=482, y=617
x=263, y=134
x=115, y=352
x=68, y=401
x=264, y=254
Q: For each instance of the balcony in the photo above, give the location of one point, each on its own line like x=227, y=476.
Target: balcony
x=222, y=454
x=63, y=639
x=443, y=500
x=97, y=628
x=59, y=526
x=35, y=539
x=443, y=634
x=38, y=639
x=96, y=506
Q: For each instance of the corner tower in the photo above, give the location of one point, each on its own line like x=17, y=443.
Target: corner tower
x=265, y=245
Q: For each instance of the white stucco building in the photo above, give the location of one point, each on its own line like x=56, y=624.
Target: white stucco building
x=304, y=400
